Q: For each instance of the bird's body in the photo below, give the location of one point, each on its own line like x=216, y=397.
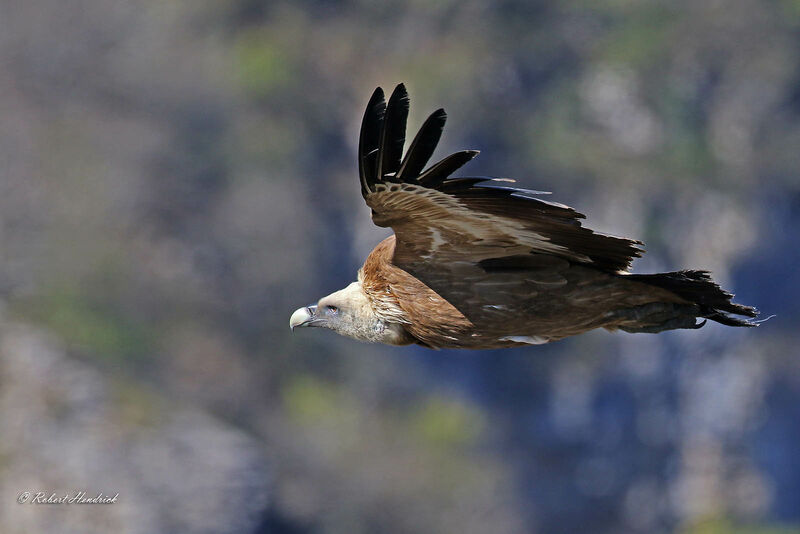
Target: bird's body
x=477, y=264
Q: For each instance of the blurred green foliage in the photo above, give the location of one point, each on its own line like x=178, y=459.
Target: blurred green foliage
x=137, y=406
x=264, y=65
x=438, y=422
x=311, y=401
x=724, y=526
x=98, y=331
x=446, y=423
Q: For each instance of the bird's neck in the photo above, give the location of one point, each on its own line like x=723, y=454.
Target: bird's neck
x=369, y=323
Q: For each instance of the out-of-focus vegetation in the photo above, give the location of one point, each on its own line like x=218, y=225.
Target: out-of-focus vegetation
x=177, y=177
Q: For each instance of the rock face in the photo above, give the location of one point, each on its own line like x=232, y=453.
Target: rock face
x=65, y=428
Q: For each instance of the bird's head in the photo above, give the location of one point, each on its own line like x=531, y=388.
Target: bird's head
x=348, y=312
x=345, y=312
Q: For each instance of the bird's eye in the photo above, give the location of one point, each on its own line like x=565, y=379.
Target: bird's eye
x=332, y=309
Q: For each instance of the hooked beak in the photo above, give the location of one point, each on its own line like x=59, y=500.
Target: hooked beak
x=304, y=317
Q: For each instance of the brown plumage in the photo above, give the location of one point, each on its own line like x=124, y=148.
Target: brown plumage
x=476, y=263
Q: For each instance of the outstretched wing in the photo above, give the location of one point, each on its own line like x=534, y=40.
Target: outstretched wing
x=441, y=222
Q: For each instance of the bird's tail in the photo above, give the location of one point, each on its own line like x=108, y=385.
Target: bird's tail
x=708, y=300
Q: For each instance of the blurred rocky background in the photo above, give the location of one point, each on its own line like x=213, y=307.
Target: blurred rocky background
x=177, y=177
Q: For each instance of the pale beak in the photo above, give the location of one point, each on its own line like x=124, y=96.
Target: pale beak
x=304, y=317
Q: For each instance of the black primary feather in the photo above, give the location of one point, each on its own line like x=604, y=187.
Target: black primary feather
x=438, y=172
x=393, y=134
x=422, y=147
x=368, y=142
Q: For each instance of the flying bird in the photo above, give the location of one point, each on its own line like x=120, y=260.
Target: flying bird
x=476, y=263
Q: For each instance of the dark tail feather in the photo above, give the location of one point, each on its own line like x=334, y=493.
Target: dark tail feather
x=698, y=287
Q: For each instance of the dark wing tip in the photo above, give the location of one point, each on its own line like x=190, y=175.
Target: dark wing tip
x=369, y=140
x=438, y=172
x=422, y=147
x=393, y=134
x=377, y=94
x=381, y=144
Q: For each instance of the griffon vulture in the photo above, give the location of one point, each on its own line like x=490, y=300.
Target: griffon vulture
x=475, y=263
